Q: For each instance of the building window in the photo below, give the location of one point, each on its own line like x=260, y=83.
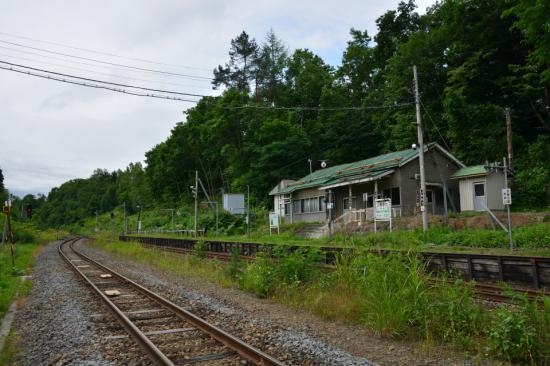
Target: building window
x=297, y=206
x=353, y=203
x=321, y=204
x=395, y=198
x=287, y=208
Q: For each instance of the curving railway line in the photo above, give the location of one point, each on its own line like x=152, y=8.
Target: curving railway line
x=169, y=334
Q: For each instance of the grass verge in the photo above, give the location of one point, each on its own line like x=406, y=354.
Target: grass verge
x=392, y=295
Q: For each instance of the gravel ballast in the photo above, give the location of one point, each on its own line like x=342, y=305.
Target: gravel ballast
x=62, y=323
x=293, y=336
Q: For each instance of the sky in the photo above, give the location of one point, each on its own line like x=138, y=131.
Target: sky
x=51, y=132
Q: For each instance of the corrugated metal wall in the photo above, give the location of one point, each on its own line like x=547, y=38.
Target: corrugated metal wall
x=466, y=187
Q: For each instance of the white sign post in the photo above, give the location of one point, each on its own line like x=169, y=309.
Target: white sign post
x=273, y=221
x=382, y=211
x=506, y=196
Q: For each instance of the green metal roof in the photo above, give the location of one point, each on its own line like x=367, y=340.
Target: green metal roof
x=469, y=171
x=361, y=169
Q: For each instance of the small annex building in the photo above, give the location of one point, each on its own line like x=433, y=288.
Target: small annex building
x=479, y=188
x=342, y=189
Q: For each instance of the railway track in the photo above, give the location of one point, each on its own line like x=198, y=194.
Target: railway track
x=169, y=334
x=483, y=290
x=527, y=272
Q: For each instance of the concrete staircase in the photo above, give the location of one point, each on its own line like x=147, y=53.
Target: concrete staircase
x=313, y=231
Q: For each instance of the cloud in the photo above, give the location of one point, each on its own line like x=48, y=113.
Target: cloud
x=51, y=132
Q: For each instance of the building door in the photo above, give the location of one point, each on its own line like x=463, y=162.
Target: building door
x=479, y=196
x=430, y=201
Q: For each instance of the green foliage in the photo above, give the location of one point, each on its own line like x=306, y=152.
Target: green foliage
x=290, y=268
x=201, y=248
x=260, y=276
x=474, y=58
x=235, y=267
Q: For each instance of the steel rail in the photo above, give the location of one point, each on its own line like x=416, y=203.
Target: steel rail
x=248, y=352
x=153, y=352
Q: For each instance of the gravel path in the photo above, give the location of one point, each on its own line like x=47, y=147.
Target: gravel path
x=61, y=323
x=293, y=336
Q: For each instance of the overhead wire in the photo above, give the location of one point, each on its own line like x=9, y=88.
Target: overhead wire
x=434, y=124
x=108, y=67
x=100, y=81
x=396, y=105
x=48, y=77
x=105, y=53
x=126, y=77
x=107, y=62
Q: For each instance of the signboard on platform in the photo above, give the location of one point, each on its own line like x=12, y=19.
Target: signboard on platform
x=274, y=220
x=382, y=211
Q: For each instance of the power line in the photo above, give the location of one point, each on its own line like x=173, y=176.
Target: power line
x=98, y=86
x=435, y=125
x=107, y=62
x=92, y=71
x=100, y=81
x=396, y=105
x=105, y=53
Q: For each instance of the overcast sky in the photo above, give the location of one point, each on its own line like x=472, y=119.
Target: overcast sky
x=51, y=132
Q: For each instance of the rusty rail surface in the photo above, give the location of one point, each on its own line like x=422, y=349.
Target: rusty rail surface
x=529, y=271
x=247, y=352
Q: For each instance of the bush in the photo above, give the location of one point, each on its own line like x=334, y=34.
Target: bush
x=260, y=276
x=24, y=235
x=200, y=248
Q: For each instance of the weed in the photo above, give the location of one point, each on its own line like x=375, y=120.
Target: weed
x=200, y=249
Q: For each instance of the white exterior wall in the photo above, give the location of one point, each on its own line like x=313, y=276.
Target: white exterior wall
x=466, y=187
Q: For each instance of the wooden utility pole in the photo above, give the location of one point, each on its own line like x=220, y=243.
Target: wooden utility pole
x=509, y=138
x=420, y=154
x=7, y=211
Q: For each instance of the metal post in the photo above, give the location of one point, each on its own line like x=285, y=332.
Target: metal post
x=420, y=154
x=172, y=219
x=349, y=204
x=139, y=220
x=217, y=230
x=196, y=199
x=248, y=210
x=124, y=222
x=510, y=241
x=310, y=169
x=96, y=221
x=445, y=209
x=291, y=209
x=330, y=203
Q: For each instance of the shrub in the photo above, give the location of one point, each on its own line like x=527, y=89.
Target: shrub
x=260, y=276
x=235, y=266
x=200, y=248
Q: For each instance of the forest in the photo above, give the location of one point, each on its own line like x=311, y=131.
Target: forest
x=281, y=107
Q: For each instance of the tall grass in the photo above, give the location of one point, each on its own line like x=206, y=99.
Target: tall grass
x=393, y=295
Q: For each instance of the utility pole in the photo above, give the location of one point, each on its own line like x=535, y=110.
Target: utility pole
x=420, y=154
x=509, y=137
x=196, y=199
x=7, y=211
x=96, y=221
x=510, y=241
